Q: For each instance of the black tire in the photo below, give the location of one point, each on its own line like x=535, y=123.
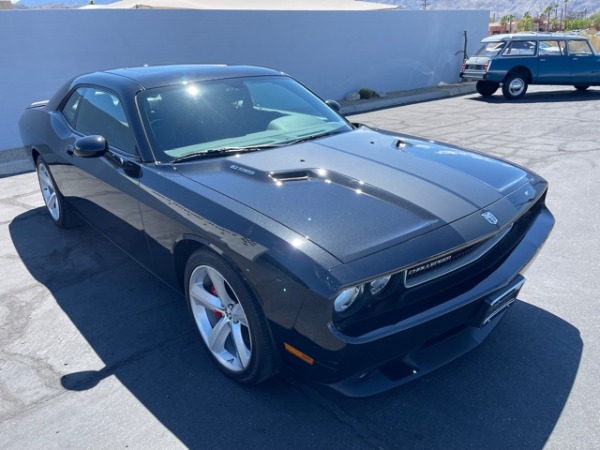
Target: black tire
x=582, y=87
x=229, y=319
x=515, y=85
x=60, y=212
x=486, y=88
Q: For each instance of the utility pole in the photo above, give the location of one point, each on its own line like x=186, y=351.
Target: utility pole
x=424, y=4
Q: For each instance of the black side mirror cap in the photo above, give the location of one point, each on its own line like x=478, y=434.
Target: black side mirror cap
x=90, y=146
x=334, y=105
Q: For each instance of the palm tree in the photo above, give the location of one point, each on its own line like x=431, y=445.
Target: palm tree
x=526, y=22
x=507, y=20
x=546, y=15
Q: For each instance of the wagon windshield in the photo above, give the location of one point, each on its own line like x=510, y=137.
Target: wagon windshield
x=490, y=48
x=253, y=113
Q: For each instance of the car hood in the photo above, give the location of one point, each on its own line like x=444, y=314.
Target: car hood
x=362, y=191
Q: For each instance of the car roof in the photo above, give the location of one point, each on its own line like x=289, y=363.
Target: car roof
x=149, y=77
x=522, y=36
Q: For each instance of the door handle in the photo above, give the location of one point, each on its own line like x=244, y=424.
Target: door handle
x=70, y=150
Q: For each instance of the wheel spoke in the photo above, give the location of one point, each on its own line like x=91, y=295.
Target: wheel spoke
x=52, y=200
x=45, y=178
x=237, y=314
x=218, y=336
x=243, y=352
x=219, y=283
x=201, y=297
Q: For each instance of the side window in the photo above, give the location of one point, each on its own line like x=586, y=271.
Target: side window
x=69, y=110
x=101, y=112
x=520, y=48
x=551, y=48
x=579, y=48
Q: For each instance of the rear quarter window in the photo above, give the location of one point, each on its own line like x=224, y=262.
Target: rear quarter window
x=69, y=110
x=520, y=48
x=490, y=49
x=579, y=48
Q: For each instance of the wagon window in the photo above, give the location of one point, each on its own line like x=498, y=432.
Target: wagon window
x=490, y=49
x=551, y=48
x=579, y=48
x=520, y=48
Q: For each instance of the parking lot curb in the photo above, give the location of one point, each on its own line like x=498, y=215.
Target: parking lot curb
x=407, y=97
x=14, y=161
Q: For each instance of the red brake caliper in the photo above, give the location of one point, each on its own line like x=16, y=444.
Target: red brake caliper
x=213, y=291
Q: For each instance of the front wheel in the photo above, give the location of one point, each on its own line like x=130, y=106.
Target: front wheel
x=514, y=86
x=582, y=87
x=60, y=212
x=486, y=88
x=229, y=319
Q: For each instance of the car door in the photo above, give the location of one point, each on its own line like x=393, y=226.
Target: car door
x=585, y=64
x=104, y=189
x=554, y=65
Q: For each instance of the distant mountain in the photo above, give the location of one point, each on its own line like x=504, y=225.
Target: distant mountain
x=497, y=8
x=501, y=8
x=67, y=3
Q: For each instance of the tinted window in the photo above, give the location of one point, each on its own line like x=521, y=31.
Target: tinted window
x=101, y=112
x=69, y=110
x=241, y=112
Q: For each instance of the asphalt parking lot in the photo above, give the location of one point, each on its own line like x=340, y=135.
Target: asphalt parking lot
x=96, y=353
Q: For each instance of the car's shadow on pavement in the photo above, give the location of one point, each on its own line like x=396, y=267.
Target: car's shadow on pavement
x=508, y=393
x=559, y=96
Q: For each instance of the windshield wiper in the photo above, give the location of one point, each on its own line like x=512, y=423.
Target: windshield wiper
x=221, y=151
x=314, y=137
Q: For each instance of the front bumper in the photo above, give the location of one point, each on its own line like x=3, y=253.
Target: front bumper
x=393, y=355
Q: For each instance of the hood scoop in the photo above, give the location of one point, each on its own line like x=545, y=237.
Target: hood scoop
x=294, y=175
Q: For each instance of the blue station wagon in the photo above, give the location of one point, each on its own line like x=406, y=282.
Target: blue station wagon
x=517, y=60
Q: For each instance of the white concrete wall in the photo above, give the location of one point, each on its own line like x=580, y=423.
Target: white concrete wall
x=331, y=52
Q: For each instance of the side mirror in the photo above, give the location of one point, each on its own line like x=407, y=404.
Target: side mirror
x=90, y=146
x=334, y=105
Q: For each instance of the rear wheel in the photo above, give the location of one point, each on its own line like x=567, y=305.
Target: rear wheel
x=514, y=86
x=486, y=88
x=581, y=87
x=229, y=319
x=60, y=212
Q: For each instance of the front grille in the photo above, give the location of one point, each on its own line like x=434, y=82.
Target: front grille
x=444, y=264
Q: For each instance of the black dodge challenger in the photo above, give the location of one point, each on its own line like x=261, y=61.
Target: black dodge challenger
x=358, y=258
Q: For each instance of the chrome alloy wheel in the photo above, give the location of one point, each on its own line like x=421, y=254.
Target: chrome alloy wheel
x=220, y=318
x=516, y=87
x=49, y=192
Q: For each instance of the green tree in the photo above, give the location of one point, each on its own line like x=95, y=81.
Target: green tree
x=526, y=22
x=594, y=21
x=545, y=14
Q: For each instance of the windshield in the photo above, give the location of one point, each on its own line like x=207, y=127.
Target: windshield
x=239, y=113
x=490, y=49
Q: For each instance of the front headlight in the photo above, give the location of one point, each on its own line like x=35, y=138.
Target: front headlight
x=377, y=286
x=346, y=298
